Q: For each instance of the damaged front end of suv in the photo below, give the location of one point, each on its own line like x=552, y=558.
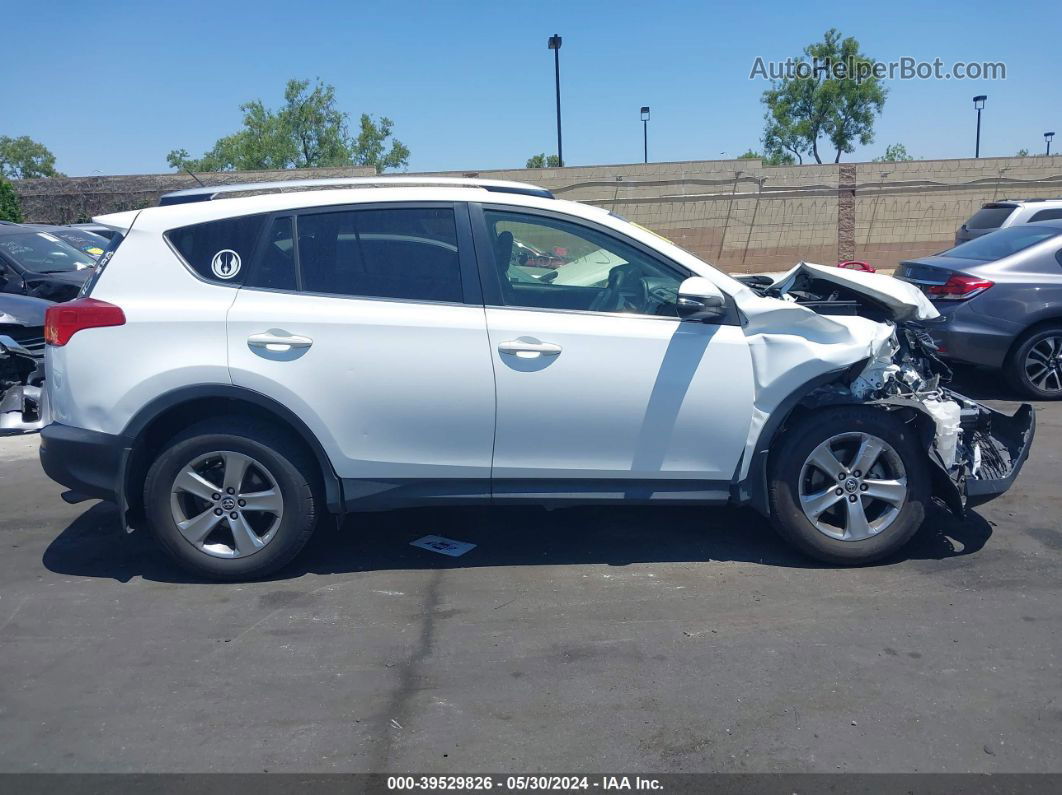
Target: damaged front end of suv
x=976, y=451
x=21, y=363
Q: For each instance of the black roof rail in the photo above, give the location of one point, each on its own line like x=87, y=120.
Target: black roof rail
x=211, y=192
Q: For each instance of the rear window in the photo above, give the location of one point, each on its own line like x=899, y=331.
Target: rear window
x=991, y=216
x=219, y=251
x=1002, y=243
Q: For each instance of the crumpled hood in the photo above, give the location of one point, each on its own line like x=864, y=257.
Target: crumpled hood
x=903, y=300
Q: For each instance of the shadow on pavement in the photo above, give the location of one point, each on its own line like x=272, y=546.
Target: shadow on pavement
x=94, y=545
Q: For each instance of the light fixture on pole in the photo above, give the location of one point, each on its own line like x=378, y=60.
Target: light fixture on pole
x=555, y=45
x=979, y=104
x=645, y=133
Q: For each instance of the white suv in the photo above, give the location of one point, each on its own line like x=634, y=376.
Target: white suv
x=237, y=367
x=1008, y=212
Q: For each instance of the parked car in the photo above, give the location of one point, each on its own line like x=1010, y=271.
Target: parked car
x=1000, y=299
x=1007, y=213
x=241, y=366
x=21, y=362
x=39, y=264
x=88, y=242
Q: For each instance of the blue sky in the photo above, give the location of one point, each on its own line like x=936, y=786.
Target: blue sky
x=111, y=87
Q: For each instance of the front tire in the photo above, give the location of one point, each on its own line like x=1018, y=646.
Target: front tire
x=849, y=485
x=1035, y=365
x=232, y=499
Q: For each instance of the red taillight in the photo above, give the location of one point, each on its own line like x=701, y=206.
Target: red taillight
x=63, y=321
x=958, y=287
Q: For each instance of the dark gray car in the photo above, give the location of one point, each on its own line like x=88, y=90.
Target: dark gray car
x=1000, y=297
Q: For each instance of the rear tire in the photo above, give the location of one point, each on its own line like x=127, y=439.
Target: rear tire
x=1034, y=367
x=232, y=498
x=869, y=506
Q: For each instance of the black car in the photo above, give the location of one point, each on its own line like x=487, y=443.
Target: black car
x=38, y=263
x=81, y=239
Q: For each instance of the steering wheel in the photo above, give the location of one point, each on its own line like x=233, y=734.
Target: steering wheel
x=626, y=291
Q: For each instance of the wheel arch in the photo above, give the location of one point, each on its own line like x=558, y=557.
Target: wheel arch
x=1029, y=330
x=158, y=421
x=815, y=396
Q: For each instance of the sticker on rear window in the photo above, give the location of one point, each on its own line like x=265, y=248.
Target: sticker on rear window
x=226, y=264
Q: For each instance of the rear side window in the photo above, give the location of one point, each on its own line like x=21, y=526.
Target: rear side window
x=990, y=216
x=1047, y=215
x=402, y=253
x=219, y=251
x=275, y=266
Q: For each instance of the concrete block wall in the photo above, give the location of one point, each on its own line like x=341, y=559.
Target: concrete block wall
x=66, y=200
x=738, y=214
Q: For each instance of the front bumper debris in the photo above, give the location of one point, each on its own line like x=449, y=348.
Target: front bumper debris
x=1003, y=447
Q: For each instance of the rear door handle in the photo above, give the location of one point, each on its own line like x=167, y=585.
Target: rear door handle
x=278, y=342
x=529, y=350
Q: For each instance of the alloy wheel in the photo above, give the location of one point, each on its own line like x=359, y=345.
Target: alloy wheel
x=1043, y=364
x=226, y=504
x=853, y=486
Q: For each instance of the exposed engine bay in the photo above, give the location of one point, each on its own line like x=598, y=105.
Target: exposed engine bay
x=977, y=448
x=21, y=363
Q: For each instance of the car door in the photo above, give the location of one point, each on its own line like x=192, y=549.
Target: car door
x=367, y=322
x=601, y=389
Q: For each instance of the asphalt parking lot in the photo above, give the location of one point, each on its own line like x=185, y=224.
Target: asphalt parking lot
x=598, y=639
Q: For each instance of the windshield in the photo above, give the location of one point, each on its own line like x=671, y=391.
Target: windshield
x=997, y=245
x=41, y=252
x=89, y=242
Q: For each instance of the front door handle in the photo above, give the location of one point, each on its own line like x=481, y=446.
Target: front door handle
x=278, y=343
x=529, y=350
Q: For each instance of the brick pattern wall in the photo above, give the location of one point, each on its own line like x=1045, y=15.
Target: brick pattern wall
x=67, y=200
x=738, y=214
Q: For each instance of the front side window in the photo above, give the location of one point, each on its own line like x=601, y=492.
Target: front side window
x=400, y=253
x=219, y=251
x=548, y=263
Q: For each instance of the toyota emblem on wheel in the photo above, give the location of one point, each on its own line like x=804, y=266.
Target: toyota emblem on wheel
x=226, y=264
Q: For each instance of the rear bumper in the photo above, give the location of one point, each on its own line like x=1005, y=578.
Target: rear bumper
x=88, y=462
x=968, y=336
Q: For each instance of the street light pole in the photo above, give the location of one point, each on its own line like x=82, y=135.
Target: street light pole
x=645, y=133
x=1047, y=137
x=979, y=103
x=555, y=45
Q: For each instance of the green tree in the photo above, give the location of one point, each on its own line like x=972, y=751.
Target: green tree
x=894, y=153
x=9, y=206
x=776, y=158
x=307, y=131
x=24, y=158
x=834, y=95
x=1023, y=152
x=543, y=161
